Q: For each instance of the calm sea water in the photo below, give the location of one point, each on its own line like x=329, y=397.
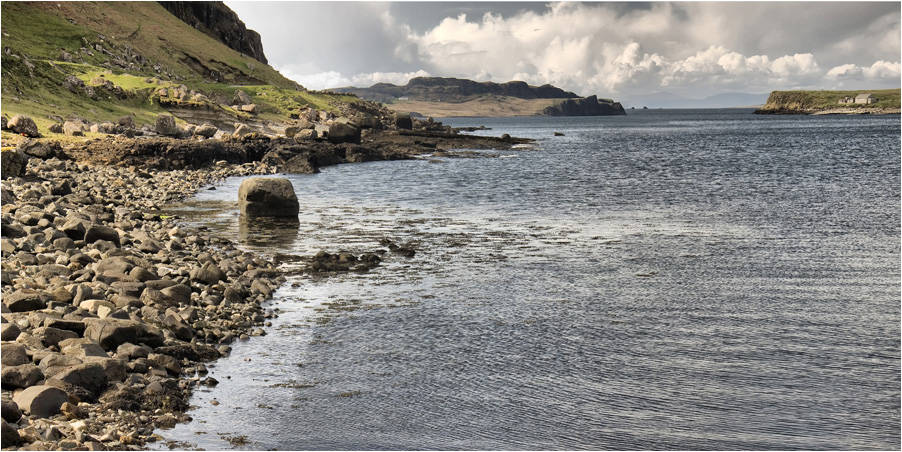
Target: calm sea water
x=671, y=279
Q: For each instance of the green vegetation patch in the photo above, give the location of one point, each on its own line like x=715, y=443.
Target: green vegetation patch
x=823, y=100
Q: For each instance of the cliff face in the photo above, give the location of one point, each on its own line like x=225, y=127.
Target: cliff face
x=218, y=21
x=587, y=106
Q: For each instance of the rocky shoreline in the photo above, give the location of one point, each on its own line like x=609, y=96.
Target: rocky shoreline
x=111, y=308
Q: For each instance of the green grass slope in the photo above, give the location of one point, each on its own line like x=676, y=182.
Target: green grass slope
x=138, y=47
x=820, y=101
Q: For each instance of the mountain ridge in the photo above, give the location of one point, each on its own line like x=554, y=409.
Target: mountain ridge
x=432, y=95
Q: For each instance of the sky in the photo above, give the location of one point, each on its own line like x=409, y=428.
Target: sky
x=613, y=50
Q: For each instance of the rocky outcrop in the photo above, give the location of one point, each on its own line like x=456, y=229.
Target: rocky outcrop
x=218, y=21
x=587, y=106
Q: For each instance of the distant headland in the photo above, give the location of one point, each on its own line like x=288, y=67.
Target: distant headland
x=861, y=102
x=446, y=97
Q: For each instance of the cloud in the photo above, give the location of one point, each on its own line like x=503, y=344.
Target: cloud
x=610, y=49
x=881, y=72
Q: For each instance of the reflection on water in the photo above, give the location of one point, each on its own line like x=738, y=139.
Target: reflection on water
x=278, y=233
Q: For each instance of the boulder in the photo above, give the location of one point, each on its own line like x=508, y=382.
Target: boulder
x=23, y=125
x=55, y=363
x=127, y=122
x=90, y=377
x=366, y=121
x=242, y=130
x=13, y=354
x=74, y=128
x=74, y=228
x=9, y=332
x=167, y=362
x=74, y=84
x=50, y=336
x=403, y=121
x=106, y=128
x=111, y=333
x=305, y=135
x=76, y=326
x=11, y=412
x=209, y=274
x=241, y=98
x=165, y=125
x=82, y=348
x=206, y=131
x=343, y=132
x=13, y=162
x=268, y=197
x=21, y=376
x=22, y=301
x=250, y=108
x=9, y=436
x=40, y=148
x=97, y=232
x=56, y=128
x=132, y=351
x=41, y=401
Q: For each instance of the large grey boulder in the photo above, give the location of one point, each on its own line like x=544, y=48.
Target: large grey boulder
x=21, y=376
x=22, y=301
x=268, y=197
x=13, y=162
x=403, y=121
x=13, y=354
x=110, y=333
x=241, y=98
x=9, y=332
x=41, y=401
x=11, y=411
x=50, y=336
x=23, y=125
x=165, y=125
x=343, y=132
x=206, y=131
x=97, y=232
x=74, y=128
x=88, y=378
x=305, y=135
x=10, y=436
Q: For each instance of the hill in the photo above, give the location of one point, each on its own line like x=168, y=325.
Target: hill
x=448, y=89
x=829, y=102
x=100, y=61
x=445, y=97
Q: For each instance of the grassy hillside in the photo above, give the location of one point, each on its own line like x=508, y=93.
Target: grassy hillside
x=128, y=51
x=815, y=101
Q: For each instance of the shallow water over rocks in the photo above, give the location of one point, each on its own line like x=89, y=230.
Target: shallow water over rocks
x=667, y=280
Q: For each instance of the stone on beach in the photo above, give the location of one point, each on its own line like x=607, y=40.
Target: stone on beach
x=341, y=131
x=23, y=125
x=41, y=401
x=268, y=197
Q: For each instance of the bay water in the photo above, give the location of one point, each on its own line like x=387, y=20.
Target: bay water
x=669, y=279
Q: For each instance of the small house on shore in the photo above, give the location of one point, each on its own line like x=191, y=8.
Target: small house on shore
x=865, y=99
